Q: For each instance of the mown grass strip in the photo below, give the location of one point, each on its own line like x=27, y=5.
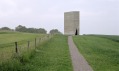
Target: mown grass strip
x=52, y=56
x=101, y=53
x=17, y=37
x=111, y=37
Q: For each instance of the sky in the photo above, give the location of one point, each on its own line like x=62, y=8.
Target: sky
x=96, y=16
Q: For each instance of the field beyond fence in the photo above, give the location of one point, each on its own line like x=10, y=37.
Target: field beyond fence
x=14, y=48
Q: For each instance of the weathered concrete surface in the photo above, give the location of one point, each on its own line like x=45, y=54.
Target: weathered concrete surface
x=71, y=23
x=78, y=61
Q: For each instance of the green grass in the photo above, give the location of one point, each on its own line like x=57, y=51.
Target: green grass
x=101, y=53
x=111, y=37
x=51, y=56
x=7, y=45
x=10, y=37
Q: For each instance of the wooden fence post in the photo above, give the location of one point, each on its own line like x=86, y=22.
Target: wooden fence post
x=35, y=42
x=16, y=47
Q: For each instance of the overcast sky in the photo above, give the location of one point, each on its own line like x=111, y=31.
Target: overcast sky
x=96, y=16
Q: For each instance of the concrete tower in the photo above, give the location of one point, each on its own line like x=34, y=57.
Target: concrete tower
x=71, y=23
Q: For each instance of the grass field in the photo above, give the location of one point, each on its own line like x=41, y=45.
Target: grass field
x=112, y=37
x=11, y=37
x=101, y=53
x=52, y=56
x=7, y=43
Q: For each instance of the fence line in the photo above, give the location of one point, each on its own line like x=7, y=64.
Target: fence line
x=7, y=52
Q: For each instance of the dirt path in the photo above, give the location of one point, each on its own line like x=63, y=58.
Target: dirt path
x=78, y=61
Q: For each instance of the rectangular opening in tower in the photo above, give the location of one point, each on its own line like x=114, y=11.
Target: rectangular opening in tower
x=76, y=33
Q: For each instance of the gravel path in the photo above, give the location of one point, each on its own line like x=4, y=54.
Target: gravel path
x=78, y=61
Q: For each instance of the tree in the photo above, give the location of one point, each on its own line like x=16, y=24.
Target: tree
x=5, y=28
x=55, y=31
x=42, y=31
x=21, y=28
x=30, y=30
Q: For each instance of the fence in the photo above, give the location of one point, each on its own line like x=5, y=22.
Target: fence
x=7, y=51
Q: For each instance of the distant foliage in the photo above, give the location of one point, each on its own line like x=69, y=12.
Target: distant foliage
x=21, y=28
x=5, y=28
x=55, y=31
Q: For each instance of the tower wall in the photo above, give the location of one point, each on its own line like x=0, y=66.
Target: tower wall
x=71, y=23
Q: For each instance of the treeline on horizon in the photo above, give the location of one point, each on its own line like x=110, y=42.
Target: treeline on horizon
x=21, y=28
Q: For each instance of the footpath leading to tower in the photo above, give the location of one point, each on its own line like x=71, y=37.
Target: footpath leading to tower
x=78, y=61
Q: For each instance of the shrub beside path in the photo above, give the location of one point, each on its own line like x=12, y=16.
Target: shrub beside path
x=78, y=61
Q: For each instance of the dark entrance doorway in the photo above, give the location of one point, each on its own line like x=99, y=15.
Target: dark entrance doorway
x=76, y=33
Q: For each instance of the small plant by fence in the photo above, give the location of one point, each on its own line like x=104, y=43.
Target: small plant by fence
x=18, y=48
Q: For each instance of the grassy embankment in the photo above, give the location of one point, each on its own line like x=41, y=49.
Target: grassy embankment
x=7, y=45
x=101, y=53
x=112, y=37
x=52, y=56
x=7, y=48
